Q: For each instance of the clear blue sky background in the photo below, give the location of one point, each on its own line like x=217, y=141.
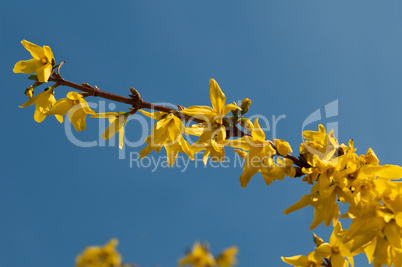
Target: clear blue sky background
x=289, y=57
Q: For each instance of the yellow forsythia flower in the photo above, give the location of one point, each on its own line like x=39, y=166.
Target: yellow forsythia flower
x=259, y=156
x=44, y=101
x=198, y=257
x=218, y=110
x=278, y=171
x=167, y=133
x=336, y=250
x=210, y=139
x=283, y=147
x=227, y=258
x=42, y=62
x=117, y=122
x=76, y=107
x=105, y=256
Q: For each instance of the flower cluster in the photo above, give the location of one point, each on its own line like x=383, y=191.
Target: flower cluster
x=372, y=192
x=105, y=256
x=200, y=256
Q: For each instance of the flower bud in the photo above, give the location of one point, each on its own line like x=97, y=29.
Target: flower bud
x=245, y=103
x=371, y=157
x=317, y=240
x=29, y=91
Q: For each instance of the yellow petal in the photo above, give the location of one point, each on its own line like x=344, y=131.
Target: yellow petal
x=351, y=261
x=370, y=249
x=393, y=172
x=398, y=219
x=338, y=261
x=61, y=107
x=171, y=153
x=39, y=116
x=27, y=66
x=257, y=133
x=121, y=136
x=248, y=172
x=303, y=202
x=218, y=98
x=187, y=148
x=162, y=123
x=59, y=118
x=152, y=115
x=245, y=143
x=299, y=260
x=48, y=53
x=112, y=129
x=205, y=157
x=324, y=250
x=392, y=231
x=77, y=117
x=229, y=107
x=201, y=112
x=221, y=133
x=144, y=152
x=44, y=73
x=196, y=129
x=116, y=125
x=85, y=107
x=316, y=136
x=31, y=101
x=35, y=50
x=74, y=95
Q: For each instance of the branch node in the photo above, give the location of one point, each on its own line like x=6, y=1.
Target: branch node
x=95, y=91
x=137, y=101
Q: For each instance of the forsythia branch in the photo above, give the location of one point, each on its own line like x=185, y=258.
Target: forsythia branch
x=338, y=175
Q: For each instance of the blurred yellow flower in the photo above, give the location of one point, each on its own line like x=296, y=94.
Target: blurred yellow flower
x=227, y=258
x=105, y=256
x=200, y=256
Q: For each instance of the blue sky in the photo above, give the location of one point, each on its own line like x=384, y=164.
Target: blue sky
x=290, y=58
